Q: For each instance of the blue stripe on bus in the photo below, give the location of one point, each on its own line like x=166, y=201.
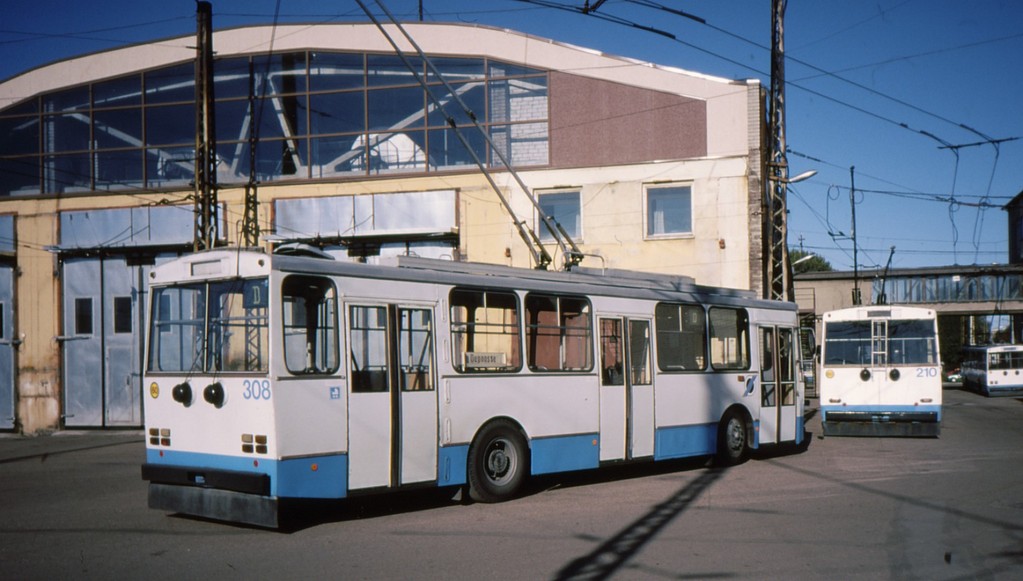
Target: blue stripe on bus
x=881, y=409
x=452, y=462
x=564, y=453
x=683, y=441
x=313, y=477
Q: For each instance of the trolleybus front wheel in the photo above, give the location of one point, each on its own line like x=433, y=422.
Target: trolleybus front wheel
x=733, y=439
x=498, y=461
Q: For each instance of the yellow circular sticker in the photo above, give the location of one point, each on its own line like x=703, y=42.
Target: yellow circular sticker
x=154, y=390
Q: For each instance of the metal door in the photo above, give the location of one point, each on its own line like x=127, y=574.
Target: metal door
x=777, y=384
x=102, y=342
x=626, y=389
x=392, y=407
x=8, y=342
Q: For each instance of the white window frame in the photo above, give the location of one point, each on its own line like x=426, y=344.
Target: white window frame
x=647, y=226
x=543, y=232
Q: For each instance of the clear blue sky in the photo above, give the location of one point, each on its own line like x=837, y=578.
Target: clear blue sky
x=867, y=83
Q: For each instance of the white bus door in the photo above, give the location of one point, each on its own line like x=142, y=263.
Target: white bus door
x=777, y=385
x=626, y=389
x=392, y=406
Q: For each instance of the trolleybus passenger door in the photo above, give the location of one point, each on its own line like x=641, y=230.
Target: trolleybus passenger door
x=392, y=407
x=626, y=389
x=777, y=385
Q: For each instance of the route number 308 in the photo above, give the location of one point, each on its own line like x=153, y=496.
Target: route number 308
x=256, y=389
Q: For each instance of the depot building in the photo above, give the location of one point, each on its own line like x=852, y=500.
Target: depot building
x=646, y=167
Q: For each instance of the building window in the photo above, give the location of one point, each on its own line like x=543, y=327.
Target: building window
x=318, y=115
x=122, y=315
x=83, y=316
x=669, y=210
x=563, y=208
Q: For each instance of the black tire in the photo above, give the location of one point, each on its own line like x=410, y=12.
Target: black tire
x=733, y=439
x=498, y=462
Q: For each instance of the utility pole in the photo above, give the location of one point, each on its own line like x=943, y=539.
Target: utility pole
x=206, y=219
x=250, y=218
x=779, y=269
x=857, y=299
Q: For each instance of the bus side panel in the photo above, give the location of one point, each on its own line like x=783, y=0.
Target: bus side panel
x=313, y=477
x=311, y=416
x=452, y=464
x=564, y=408
x=685, y=441
x=689, y=407
x=562, y=454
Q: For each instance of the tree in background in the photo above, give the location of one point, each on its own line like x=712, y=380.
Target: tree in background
x=812, y=262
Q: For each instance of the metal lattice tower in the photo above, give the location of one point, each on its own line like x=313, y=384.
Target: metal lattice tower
x=779, y=275
x=206, y=219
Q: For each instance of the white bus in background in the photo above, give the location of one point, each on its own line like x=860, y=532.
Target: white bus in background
x=993, y=369
x=274, y=377
x=880, y=372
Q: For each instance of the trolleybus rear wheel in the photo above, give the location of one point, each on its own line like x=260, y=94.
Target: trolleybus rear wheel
x=498, y=461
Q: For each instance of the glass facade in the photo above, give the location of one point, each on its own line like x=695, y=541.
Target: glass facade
x=951, y=288
x=313, y=114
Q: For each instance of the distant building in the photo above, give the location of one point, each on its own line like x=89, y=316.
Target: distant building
x=647, y=167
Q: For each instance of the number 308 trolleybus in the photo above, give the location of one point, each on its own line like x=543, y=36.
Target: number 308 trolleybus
x=880, y=373
x=273, y=377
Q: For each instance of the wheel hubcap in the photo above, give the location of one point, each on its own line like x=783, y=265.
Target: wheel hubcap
x=499, y=461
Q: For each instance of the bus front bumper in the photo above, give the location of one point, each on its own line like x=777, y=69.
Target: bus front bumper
x=215, y=494
x=915, y=424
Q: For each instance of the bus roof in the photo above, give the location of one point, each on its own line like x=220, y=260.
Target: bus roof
x=234, y=263
x=867, y=312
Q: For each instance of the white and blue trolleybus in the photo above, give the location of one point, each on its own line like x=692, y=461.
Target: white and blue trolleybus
x=993, y=369
x=880, y=372
x=272, y=377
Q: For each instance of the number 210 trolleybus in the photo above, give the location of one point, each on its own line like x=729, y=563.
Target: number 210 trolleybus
x=880, y=372
x=272, y=377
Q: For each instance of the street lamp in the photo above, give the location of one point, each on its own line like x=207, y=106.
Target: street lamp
x=801, y=177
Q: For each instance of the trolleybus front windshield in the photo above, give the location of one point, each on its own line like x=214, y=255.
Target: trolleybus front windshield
x=210, y=327
x=905, y=342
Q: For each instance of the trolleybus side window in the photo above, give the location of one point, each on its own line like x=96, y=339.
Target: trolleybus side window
x=681, y=337
x=485, y=335
x=559, y=334
x=729, y=339
x=310, y=325
x=369, y=348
